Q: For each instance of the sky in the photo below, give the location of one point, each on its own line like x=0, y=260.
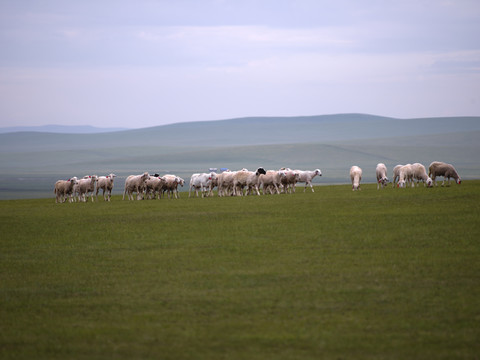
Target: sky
x=145, y=63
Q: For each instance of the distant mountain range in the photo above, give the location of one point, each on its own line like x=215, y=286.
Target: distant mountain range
x=59, y=129
x=247, y=132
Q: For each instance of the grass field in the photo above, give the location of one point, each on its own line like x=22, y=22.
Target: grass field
x=335, y=274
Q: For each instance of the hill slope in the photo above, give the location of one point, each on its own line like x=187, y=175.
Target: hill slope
x=246, y=131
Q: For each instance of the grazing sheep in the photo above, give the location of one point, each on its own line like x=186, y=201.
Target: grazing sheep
x=135, y=183
x=203, y=182
x=381, y=172
x=438, y=168
x=171, y=185
x=248, y=179
x=154, y=186
x=288, y=180
x=105, y=183
x=307, y=177
x=85, y=186
x=356, y=177
x=64, y=188
x=270, y=180
x=396, y=174
x=420, y=174
x=406, y=176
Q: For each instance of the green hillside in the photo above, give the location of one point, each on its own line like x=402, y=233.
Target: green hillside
x=30, y=163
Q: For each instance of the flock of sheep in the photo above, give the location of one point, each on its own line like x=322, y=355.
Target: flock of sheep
x=237, y=183
x=404, y=175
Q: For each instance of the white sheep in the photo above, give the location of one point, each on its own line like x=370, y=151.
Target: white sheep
x=269, y=180
x=171, y=185
x=247, y=179
x=135, y=183
x=63, y=189
x=396, y=174
x=288, y=180
x=154, y=186
x=85, y=186
x=105, y=183
x=438, y=168
x=381, y=172
x=225, y=183
x=355, y=177
x=214, y=184
x=406, y=176
x=306, y=176
x=202, y=182
x=420, y=174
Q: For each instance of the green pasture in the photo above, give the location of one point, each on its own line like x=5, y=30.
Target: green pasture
x=335, y=274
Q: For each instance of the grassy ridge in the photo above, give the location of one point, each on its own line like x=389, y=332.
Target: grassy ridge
x=330, y=274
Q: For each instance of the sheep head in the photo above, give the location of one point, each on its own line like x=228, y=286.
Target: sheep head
x=259, y=171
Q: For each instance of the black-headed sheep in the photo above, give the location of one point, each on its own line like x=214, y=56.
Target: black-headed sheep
x=247, y=179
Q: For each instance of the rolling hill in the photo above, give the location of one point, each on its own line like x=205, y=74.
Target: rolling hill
x=330, y=142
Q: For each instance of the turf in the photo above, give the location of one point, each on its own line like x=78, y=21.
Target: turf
x=333, y=274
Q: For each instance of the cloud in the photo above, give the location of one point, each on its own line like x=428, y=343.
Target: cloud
x=162, y=61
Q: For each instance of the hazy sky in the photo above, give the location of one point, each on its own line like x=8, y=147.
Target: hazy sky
x=143, y=63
